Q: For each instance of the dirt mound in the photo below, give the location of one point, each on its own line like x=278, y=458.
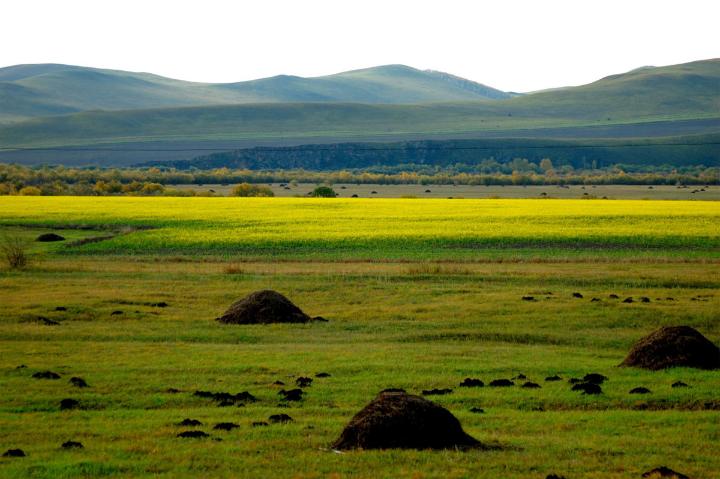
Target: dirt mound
x=46, y=375
x=14, y=453
x=405, y=421
x=72, y=445
x=264, y=307
x=48, y=237
x=666, y=472
x=674, y=346
x=78, y=382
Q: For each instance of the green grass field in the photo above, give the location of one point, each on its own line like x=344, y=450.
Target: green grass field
x=419, y=293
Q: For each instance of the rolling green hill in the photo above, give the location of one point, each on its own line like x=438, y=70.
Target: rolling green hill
x=647, y=102
x=28, y=91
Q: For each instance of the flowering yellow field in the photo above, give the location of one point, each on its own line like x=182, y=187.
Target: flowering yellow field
x=375, y=226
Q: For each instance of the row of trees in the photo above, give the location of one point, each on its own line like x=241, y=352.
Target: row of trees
x=22, y=180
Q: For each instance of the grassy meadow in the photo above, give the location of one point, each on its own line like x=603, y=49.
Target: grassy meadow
x=419, y=293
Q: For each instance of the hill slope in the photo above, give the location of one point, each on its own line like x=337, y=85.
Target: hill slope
x=52, y=89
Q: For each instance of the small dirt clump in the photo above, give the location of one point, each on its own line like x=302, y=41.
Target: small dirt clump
x=577, y=295
x=595, y=378
x=322, y=375
x=193, y=434
x=264, y=307
x=49, y=237
x=679, y=384
x=471, y=383
x=72, y=445
x=46, y=375
x=225, y=426
x=500, y=383
x=674, y=346
x=14, y=453
x=588, y=388
x=404, y=421
x=187, y=422
x=531, y=385
x=303, y=382
x=259, y=424
x=553, y=378
x=292, y=394
x=663, y=472
x=640, y=390
x=280, y=418
x=436, y=392
x=78, y=382
x=69, y=403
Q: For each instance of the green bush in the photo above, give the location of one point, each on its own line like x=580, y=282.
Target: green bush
x=246, y=189
x=323, y=192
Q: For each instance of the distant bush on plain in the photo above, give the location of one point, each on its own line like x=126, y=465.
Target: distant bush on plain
x=246, y=189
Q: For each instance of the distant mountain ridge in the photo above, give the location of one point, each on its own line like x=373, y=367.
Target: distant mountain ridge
x=28, y=91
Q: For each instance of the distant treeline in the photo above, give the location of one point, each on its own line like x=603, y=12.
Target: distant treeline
x=15, y=179
x=486, y=156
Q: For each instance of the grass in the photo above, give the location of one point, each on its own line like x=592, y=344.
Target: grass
x=404, y=322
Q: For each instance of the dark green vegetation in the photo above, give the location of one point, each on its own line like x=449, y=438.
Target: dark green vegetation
x=670, y=101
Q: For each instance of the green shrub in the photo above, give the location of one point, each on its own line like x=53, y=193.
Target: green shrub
x=246, y=189
x=323, y=192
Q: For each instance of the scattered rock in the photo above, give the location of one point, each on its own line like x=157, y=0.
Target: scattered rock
x=14, y=453
x=354, y=196
x=679, y=384
x=471, y=383
x=78, y=382
x=614, y=296
x=644, y=299
x=46, y=375
x=663, y=472
x=72, y=445
x=280, y=418
x=595, y=378
x=60, y=308
x=193, y=434
x=428, y=191
x=674, y=346
x=291, y=395
x=322, y=375
x=628, y=300
x=49, y=237
x=531, y=385
x=640, y=390
x=501, y=383
x=116, y=313
x=595, y=300
x=588, y=388
x=553, y=378
x=401, y=420
x=528, y=298
x=263, y=307
x=69, y=403
x=225, y=426
x=436, y=392
x=187, y=422
x=303, y=382
x=259, y=424
x=477, y=410
x=577, y=295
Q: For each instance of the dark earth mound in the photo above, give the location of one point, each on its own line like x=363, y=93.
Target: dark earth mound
x=531, y=385
x=471, y=383
x=14, y=453
x=69, y=403
x=303, y=382
x=663, y=472
x=436, y=392
x=227, y=399
x=225, y=426
x=519, y=376
x=78, y=382
x=193, y=434
x=322, y=375
x=189, y=422
x=405, y=421
x=640, y=390
x=291, y=395
x=259, y=424
x=595, y=378
x=588, y=388
x=47, y=321
x=46, y=375
x=280, y=418
x=477, y=410
x=49, y=237
x=553, y=378
x=674, y=346
x=679, y=384
x=501, y=383
x=577, y=295
x=72, y=445
x=554, y=476
x=264, y=307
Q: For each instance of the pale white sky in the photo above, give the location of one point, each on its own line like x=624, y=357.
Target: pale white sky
x=512, y=45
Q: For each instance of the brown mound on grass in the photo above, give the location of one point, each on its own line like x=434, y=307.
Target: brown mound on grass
x=49, y=237
x=264, y=307
x=404, y=421
x=674, y=346
x=664, y=472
